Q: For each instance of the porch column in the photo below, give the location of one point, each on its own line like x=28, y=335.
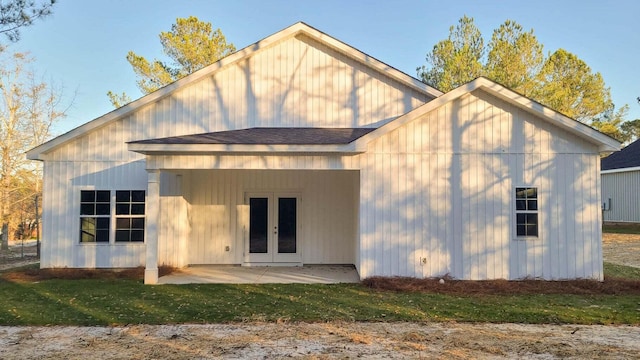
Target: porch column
x=153, y=202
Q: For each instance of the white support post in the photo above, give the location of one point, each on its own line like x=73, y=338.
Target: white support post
x=152, y=211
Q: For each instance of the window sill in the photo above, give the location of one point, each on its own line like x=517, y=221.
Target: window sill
x=527, y=238
x=110, y=244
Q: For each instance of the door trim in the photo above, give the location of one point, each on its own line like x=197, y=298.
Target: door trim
x=272, y=257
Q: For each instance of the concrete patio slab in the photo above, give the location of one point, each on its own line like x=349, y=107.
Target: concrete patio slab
x=309, y=274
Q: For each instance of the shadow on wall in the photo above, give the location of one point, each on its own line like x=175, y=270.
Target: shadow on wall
x=465, y=160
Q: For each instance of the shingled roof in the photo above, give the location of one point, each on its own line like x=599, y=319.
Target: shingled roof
x=268, y=136
x=625, y=158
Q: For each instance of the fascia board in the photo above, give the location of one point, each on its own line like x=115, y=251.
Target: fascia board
x=604, y=142
x=238, y=148
x=620, y=170
x=293, y=30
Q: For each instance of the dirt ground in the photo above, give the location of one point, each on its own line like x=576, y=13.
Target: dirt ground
x=623, y=249
x=19, y=254
x=330, y=340
x=322, y=341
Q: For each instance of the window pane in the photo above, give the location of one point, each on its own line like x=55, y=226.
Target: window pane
x=532, y=193
x=87, y=209
x=103, y=196
x=258, y=228
x=102, y=223
x=137, y=223
x=87, y=237
x=137, y=209
x=287, y=225
x=123, y=196
x=532, y=219
x=122, y=209
x=521, y=230
x=137, y=235
x=122, y=235
x=520, y=218
x=123, y=223
x=87, y=196
x=521, y=193
x=532, y=230
x=521, y=204
x=103, y=209
x=88, y=225
x=137, y=196
x=102, y=235
x=532, y=204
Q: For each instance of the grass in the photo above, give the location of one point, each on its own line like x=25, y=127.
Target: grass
x=123, y=299
x=621, y=271
x=621, y=228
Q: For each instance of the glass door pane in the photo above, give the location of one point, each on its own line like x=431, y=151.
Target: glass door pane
x=258, y=225
x=287, y=212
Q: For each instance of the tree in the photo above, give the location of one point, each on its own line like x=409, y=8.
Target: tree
x=28, y=109
x=516, y=60
x=191, y=44
x=569, y=86
x=631, y=129
x=20, y=13
x=612, y=123
x=118, y=100
x=456, y=60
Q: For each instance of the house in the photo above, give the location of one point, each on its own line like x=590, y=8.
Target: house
x=621, y=185
x=300, y=149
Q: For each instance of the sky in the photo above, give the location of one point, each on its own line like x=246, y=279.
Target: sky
x=83, y=45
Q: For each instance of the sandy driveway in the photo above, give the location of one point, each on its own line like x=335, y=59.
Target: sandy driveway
x=322, y=341
x=621, y=249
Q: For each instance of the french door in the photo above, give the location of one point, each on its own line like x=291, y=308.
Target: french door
x=273, y=235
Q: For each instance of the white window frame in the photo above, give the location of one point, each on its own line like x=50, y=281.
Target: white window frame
x=81, y=216
x=515, y=212
x=112, y=219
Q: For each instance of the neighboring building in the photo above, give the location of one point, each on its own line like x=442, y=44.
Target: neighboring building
x=300, y=149
x=621, y=185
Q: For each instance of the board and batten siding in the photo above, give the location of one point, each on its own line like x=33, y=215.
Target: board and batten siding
x=436, y=196
x=295, y=82
x=216, y=214
x=63, y=181
x=623, y=188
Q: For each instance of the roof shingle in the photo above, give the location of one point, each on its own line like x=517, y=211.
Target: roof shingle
x=625, y=158
x=268, y=136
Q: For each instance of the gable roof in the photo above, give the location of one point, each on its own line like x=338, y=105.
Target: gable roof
x=604, y=142
x=223, y=141
x=291, y=31
x=629, y=157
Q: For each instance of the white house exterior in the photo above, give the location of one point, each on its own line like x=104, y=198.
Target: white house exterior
x=300, y=149
x=621, y=185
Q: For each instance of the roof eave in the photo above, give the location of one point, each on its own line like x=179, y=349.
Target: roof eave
x=284, y=34
x=602, y=141
x=182, y=149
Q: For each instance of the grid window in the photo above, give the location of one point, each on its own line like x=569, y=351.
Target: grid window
x=130, y=207
x=527, y=212
x=95, y=211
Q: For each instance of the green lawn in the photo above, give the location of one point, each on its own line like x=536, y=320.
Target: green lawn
x=630, y=228
x=125, y=301
x=95, y=302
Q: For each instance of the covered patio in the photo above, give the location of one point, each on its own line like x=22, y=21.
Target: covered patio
x=220, y=274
